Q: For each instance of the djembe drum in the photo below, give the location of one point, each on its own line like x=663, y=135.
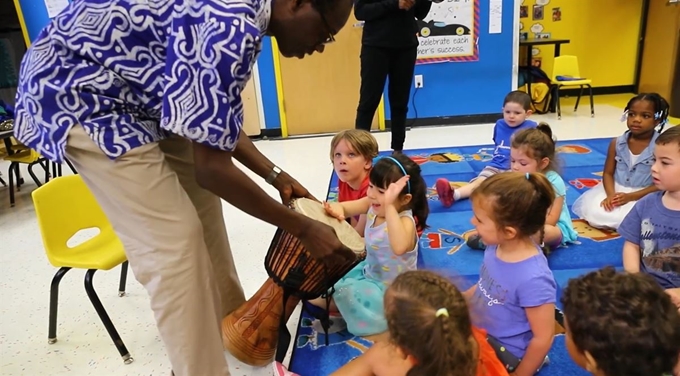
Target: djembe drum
x=251, y=333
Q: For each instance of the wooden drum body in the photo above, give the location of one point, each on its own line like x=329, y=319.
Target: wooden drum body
x=251, y=333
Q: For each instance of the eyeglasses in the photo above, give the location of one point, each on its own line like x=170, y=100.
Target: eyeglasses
x=330, y=38
x=319, y=9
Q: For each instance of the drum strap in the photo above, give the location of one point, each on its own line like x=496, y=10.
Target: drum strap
x=284, y=334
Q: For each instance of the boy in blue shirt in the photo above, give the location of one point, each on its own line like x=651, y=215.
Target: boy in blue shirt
x=516, y=110
x=652, y=228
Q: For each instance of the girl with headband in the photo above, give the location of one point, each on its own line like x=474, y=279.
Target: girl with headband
x=396, y=210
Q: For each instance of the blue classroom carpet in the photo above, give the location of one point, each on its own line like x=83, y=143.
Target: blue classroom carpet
x=443, y=249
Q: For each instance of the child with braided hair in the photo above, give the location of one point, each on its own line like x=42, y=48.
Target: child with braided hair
x=446, y=343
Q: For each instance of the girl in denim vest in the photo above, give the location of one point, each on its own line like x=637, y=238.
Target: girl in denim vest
x=627, y=170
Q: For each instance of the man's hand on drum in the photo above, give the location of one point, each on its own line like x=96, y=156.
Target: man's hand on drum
x=335, y=210
x=321, y=241
x=290, y=188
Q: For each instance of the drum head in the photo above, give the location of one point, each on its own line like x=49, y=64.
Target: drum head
x=346, y=233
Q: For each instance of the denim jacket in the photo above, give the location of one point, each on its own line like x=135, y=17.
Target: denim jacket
x=638, y=175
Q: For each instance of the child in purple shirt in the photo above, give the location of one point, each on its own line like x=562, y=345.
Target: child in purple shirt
x=514, y=299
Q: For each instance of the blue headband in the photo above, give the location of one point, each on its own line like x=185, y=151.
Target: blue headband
x=408, y=183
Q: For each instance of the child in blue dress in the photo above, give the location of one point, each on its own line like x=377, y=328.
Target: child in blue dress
x=396, y=210
x=627, y=175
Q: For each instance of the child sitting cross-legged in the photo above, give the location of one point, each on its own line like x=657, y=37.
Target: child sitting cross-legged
x=396, y=208
x=516, y=110
x=533, y=150
x=652, y=227
x=516, y=292
x=352, y=153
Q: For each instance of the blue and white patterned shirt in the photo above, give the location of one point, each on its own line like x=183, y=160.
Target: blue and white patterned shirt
x=132, y=72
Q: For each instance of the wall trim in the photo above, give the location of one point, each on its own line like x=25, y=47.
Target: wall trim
x=602, y=90
x=515, y=45
x=450, y=120
x=22, y=23
x=279, y=88
x=258, y=95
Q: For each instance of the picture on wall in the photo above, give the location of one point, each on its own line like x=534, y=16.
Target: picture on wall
x=449, y=33
x=523, y=11
x=556, y=14
x=538, y=12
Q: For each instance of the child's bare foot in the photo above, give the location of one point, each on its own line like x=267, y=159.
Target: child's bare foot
x=445, y=192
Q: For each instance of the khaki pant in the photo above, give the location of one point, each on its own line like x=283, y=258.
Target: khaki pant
x=175, y=239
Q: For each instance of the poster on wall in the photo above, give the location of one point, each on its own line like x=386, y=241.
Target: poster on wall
x=449, y=32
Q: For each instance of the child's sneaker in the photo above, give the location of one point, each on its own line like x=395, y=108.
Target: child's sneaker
x=445, y=192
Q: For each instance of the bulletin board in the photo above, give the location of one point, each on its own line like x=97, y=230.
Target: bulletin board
x=449, y=32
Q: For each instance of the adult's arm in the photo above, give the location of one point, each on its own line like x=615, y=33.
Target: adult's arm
x=422, y=8
x=216, y=172
x=198, y=104
x=249, y=156
x=370, y=10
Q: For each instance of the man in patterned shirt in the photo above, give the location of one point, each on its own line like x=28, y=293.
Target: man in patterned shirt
x=144, y=97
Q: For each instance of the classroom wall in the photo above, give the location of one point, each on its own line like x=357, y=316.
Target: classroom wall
x=472, y=87
x=603, y=33
x=606, y=47
x=34, y=16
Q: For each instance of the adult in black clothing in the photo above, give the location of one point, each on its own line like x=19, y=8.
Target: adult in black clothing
x=388, y=49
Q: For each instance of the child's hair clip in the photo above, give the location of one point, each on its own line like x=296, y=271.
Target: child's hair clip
x=442, y=312
x=624, y=116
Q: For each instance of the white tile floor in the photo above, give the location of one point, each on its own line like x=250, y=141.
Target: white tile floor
x=84, y=348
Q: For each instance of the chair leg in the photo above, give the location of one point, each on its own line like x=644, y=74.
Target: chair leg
x=578, y=99
x=54, y=303
x=33, y=175
x=592, y=105
x=557, y=99
x=70, y=165
x=45, y=164
x=17, y=174
x=2, y=182
x=117, y=341
x=123, y=279
x=11, y=184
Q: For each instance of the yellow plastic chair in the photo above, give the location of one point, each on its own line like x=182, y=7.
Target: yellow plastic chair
x=64, y=206
x=566, y=74
x=29, y=157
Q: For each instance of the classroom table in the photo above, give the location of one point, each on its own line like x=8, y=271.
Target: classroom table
x=530, y=43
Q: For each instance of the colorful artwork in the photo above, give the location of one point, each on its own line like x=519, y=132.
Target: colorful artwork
x=572, y=149
x=587, y=231
x=449, y=32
